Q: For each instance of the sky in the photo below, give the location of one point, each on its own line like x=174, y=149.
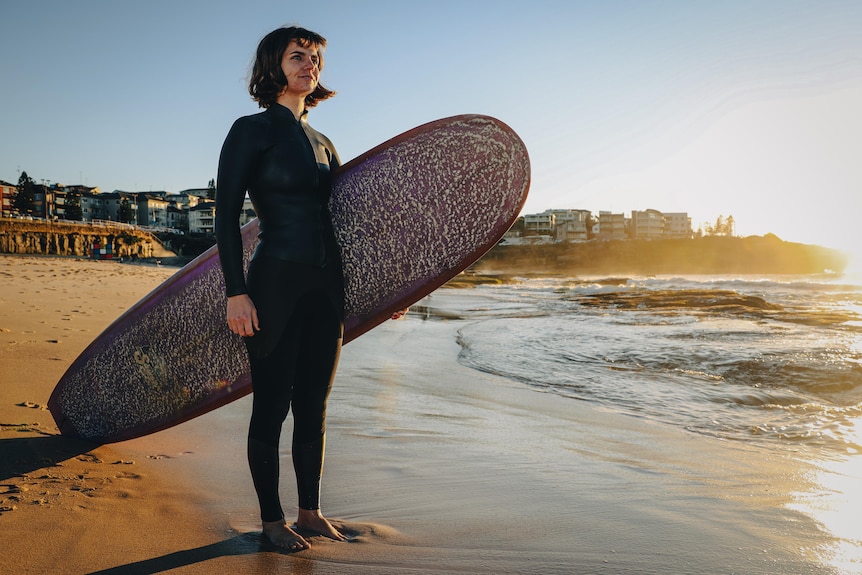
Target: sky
x=746, y=108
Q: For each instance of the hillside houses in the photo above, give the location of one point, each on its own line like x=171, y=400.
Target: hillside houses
x=189, y=211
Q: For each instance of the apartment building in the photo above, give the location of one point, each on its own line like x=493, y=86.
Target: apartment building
x=7, y=199
x=152, y=209
x=202, y=218
x=677, y=225
x=612, y=226
x=540, y=224
x=647, y=224
x=572, y=225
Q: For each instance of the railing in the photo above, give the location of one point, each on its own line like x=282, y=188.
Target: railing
x=108, y=223
x=100, y=223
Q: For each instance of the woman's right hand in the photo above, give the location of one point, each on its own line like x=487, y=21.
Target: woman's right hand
x=242, y=315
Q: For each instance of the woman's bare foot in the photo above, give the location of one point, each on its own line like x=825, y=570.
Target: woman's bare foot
x=280, y=535
x=313, y=520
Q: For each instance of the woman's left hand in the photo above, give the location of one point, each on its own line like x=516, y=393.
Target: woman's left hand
x=400, y=314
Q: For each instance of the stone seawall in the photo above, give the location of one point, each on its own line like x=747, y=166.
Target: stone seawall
x=76, y=239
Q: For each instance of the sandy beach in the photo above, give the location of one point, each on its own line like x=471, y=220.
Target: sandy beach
x=431, y=467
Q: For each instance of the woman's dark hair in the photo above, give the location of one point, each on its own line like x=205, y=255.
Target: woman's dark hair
x=267, y=78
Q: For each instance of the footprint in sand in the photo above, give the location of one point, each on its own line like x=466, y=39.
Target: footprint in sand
x=88, y=491
x=128, y=475
x=31, y=405
x=89, y=457
x=10, y=489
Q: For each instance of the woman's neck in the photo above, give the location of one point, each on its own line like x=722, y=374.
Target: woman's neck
x=292, y=103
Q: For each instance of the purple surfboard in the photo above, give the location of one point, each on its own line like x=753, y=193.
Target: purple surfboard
x=409, y=215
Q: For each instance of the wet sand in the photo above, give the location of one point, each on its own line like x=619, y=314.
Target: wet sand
x=431, y=467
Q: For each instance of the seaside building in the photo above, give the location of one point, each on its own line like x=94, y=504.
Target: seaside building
x=152, y=209
x=200, y=193
x=187, y=198
x=202, y=218
x=540, y=224
x=110, y=205
x=647, y=224
x=41, y=200
x=93, y=207
x=572, y=225
x=181, y=204
x=178, y=218
x=7, y=199
x=612, y=226
x=50, y=200
x=677, y=225
x=46, y=199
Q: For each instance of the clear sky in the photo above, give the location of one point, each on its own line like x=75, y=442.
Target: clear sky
x=748, y=108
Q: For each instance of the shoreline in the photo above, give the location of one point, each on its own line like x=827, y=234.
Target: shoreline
x=708, y=255
x=431, y=467
x=711, y=255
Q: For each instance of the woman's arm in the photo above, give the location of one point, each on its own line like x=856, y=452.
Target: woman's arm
x=234, y=174
x=236, y=161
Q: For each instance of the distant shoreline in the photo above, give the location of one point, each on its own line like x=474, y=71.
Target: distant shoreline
x=708, y=255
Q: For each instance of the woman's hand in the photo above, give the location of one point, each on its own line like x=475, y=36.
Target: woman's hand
x=399, y=314
x=242, y=315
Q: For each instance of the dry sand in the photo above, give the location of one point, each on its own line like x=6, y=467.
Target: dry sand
x=431, y=467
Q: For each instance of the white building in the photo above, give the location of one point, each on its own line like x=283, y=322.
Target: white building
x=152, y=209
x=540, y=224
x=612, y=226
x=647, y=224
x=572, y=225
x=202, y=218
x=677, y=225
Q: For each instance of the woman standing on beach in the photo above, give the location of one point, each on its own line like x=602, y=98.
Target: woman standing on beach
x=290, y=308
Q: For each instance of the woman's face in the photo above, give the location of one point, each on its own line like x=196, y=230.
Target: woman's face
x=301, y=67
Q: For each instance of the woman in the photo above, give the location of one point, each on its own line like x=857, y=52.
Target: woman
x=290, y=308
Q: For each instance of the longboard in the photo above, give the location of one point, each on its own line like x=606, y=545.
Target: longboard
x=409, y=215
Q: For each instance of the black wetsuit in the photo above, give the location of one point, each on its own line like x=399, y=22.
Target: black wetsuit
x=295, y=281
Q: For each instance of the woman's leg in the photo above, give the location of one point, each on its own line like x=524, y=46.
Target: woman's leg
x=273, y=382
x=315, y=370
x=270, y=405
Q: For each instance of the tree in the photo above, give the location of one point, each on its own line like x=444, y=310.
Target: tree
x=211, y=190
x=518, y=227
x=126, y=213
x=723, y=227
x=25, y=198
x=73, y=207
x=591, y=223
x=730, y=224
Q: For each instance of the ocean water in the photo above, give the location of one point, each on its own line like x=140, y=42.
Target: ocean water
x=772, y=365
x=772, y=361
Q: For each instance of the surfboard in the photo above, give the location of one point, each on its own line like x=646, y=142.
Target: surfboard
x=409, y=215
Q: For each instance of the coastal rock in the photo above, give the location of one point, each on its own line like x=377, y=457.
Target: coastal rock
x=707, y=255
x=77, y=239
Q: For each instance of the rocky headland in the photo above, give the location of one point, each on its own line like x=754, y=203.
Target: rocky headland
x=707, y=255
